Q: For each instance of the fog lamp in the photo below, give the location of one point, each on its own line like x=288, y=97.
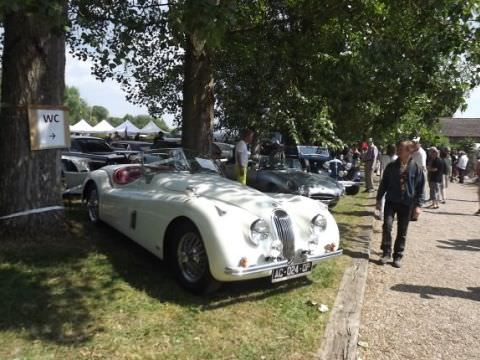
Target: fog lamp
x=276, y=248
x=243, y=262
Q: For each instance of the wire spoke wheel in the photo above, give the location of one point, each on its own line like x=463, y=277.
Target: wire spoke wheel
x=191, y=257
x=92, y=205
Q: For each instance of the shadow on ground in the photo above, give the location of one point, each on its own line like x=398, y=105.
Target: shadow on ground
x=463, y=200
x=37, y=299
x=447, y=213
x=427, y=292
x=464, y=245
x=51, y=288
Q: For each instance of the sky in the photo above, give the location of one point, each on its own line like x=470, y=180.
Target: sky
x=110, y=95
x=473, y=102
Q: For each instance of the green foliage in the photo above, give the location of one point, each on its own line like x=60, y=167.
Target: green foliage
x=99, y=113
x=78, y=107
x=467, y=145
x=115, y=121
x=310, y=69
x=372, y=66
x=139, y=120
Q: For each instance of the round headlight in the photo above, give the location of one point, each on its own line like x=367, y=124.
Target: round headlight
x=259, y=231
x=319, y=222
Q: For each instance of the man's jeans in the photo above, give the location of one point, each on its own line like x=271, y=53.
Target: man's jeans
x=403, y=213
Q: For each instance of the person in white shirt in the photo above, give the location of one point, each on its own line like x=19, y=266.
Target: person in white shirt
x=386, y=159
x=462, y=166
x=241, y=156
x=419, y=156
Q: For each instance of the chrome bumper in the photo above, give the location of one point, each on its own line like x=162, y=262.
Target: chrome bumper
x=254, y=269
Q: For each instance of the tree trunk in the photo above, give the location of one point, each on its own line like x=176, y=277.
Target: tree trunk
x=198, y=99
x=33, y=70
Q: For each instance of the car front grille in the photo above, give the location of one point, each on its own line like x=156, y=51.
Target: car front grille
x=327, y=198
x=284, y=229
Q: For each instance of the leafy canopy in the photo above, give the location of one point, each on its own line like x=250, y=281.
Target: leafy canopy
x=314, y=70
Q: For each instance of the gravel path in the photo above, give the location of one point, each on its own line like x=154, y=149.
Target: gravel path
x=430, y=308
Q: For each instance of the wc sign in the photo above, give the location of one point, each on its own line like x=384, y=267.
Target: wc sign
x=48, y=127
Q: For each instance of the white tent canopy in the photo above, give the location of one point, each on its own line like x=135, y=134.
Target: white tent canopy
x=128, y=127
x=103, y=127
x=81, y=127
x=151, y=128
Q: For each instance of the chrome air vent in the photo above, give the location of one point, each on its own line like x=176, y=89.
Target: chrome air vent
x=283, y=227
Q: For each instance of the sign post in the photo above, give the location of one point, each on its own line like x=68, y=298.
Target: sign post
x=48, y=127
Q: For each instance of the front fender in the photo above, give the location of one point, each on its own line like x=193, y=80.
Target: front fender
x=225, y=231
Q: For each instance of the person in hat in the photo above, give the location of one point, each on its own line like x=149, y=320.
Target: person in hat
x=419, y=156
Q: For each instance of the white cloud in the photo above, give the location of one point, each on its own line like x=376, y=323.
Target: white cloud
x=473, y=105
x=108, y=93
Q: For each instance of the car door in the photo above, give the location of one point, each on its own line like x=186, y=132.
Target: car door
x=152, y=210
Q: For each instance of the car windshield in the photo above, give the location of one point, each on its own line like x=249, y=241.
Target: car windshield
x=178, y=159
x=94, y=145
x=313, y=150
x=272, y=162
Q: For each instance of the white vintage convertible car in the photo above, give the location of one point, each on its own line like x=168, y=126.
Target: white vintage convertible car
x=210, y=229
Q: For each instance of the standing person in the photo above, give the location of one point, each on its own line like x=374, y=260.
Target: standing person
x=447, y=162
x=420, y=157
x=159, y=136
x=370, y=159
x=391, y=156
x=478, y=183
x=402, y=184
x=388, y=157
x=108, y=139
x=435, y=176
x=116, y=136
x=241, y=156
x=462, y=166
x=355, y=156
x=454, y=160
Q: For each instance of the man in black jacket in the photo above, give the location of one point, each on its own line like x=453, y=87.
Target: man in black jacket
x=402, y=184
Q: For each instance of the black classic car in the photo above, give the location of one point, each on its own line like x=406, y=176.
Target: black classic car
x=311, y=157
x=319, y=160
x=131, y=145
x=96, y=150
x=277, y=174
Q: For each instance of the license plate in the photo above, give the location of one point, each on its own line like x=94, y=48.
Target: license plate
x=291, y=271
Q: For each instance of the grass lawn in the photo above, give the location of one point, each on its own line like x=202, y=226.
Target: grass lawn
x=94, y=294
